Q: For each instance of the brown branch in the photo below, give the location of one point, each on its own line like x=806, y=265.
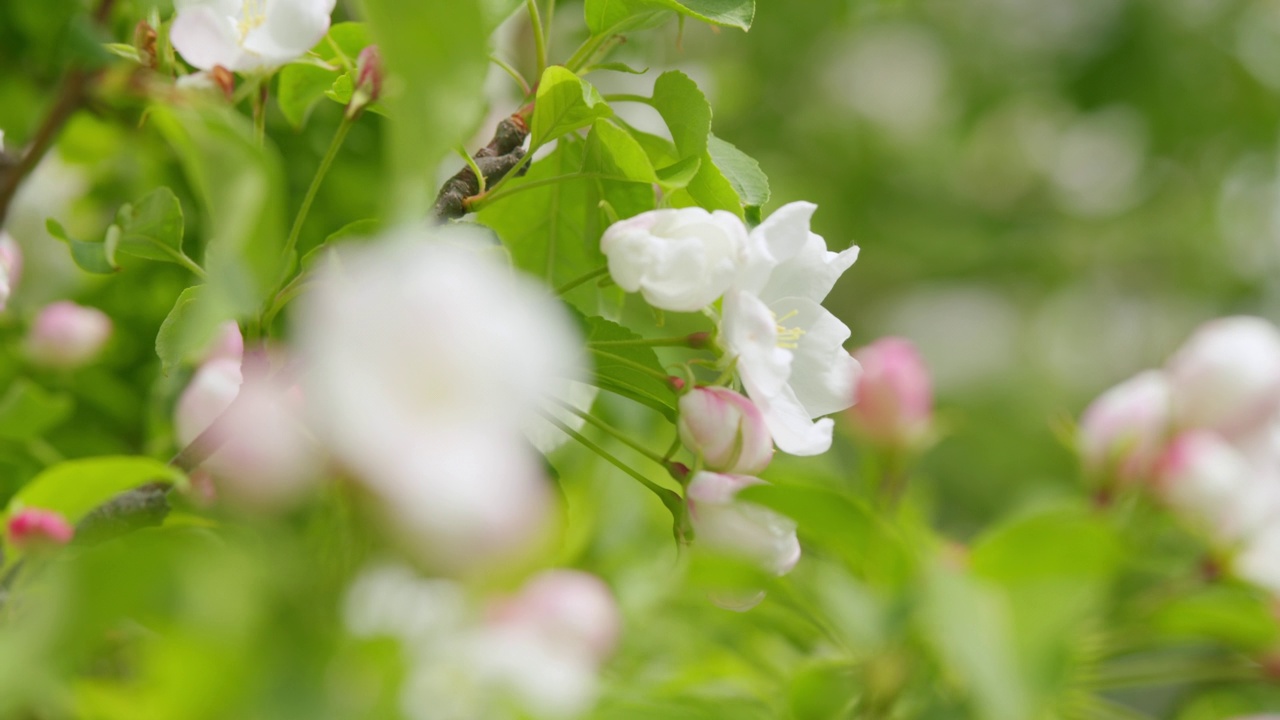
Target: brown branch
x=495, y=160
x=71, y=96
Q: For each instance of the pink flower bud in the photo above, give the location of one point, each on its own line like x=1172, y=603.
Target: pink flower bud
x=67, y=335
x=228, y=343
x=725, y=524
x=726, y=429
x=10, y=267
x=1226, y=377
x=894, y=394
x=1124, y=429
x=1211, y=483
x=570, y=608
x=265, y=459
x=34, y=527
x=369, y=73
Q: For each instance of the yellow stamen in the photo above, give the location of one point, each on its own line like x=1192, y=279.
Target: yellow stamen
x=788, y=338
x=253, y=13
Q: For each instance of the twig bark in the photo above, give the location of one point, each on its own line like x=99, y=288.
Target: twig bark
x=495, y=160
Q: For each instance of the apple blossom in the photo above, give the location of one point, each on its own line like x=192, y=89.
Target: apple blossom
x=678, y=259
x=250, y=35
x=265, y=458
x=67, y=335
x=227, y=343
x=726, y=429
x=736, y=527
x=10, y=267
x=894, y=394
x=34, y=527
x=1226, y=377
x=1125, y=428
x=1211, y=482
x=427, y=359
x=789, y=350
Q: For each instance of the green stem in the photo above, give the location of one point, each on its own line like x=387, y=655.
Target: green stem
x=479, y=201
x=551, y=19
x=539, y=39
x=629, y=363
x=259, y=101
x=514, y=73
x=282, y=298
x=611, y=430
x=581, y=279
x=651, y=485
x=482, y=201
x=628, y=97
x=291, y=244
x=471, y=163
x=588, y=49
x=678, y=341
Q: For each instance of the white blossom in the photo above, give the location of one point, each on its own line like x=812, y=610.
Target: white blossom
x=248, y=35
x=789, y=350
x=1226, y=377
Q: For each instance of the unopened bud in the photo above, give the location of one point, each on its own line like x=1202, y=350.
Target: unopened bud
x=726, y=429
x=571, y=609
x=1226, y=377
x=144, y=41
x=225, y=80
x=35, y=528
x=10, y=267
x=676, y=383
x=66, y=335
x=368, y=85
x=894, y=394
x=1123, y=431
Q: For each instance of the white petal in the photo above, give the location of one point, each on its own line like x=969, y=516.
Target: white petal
x=750, y=333
x=292, y=27
x=206, y=38
x=811, y=273
x=823, y=374
x=789, y=422
x=774, y=241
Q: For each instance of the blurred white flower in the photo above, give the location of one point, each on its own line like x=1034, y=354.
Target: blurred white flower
x=427, y=359
x=265, y=457
x=1259, y=561
x=1124, y=429
x=67, y=335
x=678, y=259
x=1226, y=376
x=227, y=343
x=10, y=267
x=789, y=350
x=726, y=429
x=736, y=527
x=248, y=35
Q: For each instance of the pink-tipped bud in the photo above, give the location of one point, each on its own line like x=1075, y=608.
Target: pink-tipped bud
x=1212, y=484
x=725, y=524
x=1226, y=377
x=228, y=344
x=33, y=528
x=1123, y=431
x=572, y=609
x=726, y=429
x=66, y=335
x=368, y=85
x=894, y=394
x=10, y=267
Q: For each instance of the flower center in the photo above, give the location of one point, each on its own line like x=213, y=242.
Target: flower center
x=788, y=337
x=253, y=13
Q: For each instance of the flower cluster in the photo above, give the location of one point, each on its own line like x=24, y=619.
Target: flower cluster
x=764, y=287
x=536, y=653
x=1204, y=434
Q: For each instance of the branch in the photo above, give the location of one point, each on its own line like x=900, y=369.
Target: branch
x=495, y=160
x=72, y=95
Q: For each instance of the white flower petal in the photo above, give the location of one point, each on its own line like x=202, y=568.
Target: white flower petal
x=793, y=430
x=811, y=273
x=749, y=332
x=823, y=373
x=291, y=28
x=205, y=38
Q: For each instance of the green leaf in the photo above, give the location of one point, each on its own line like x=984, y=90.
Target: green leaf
x=607, y=17
x=680, y=173
x=152, y=228
x=497, y=11
x=741, y=170
x=350, y=37
x=612, y=152
x=76, y=487
x=685, y=110
x=437, y=52
x=298, y=89
x=29, y=411
x=93, y=257
x=564, y=103
x=615, y=369
x=969, y=626
x=615, y=67
x=1238, y=615
x=188, y=328
x=240, y=185
x=341, y=90
x=729, y=13
x=1059, y=542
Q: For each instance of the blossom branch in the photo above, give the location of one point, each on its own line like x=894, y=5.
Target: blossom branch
x=502, y=155
x=72, y=95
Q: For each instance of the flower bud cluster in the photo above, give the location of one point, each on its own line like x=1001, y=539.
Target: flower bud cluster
x=1204, y=434
x=537, y=653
